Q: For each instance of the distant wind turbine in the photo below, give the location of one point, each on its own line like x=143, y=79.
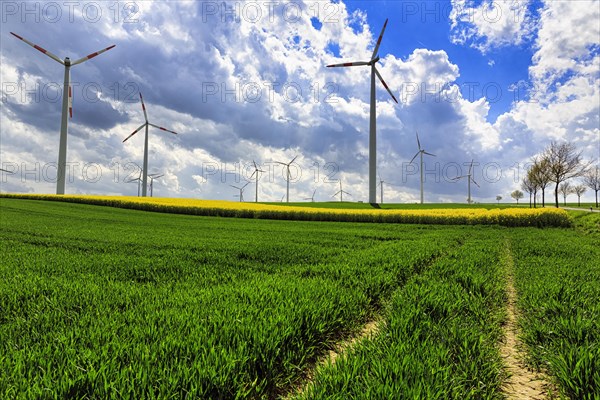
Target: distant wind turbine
x=373, y=122
x=287, y=176
x=257, y=171
x=341, y=192
x=420, y=153
x=67, y=107
x=241, y=189
x=312, y=198
x=469, y=177
x=138, y=180
x=152, y=178
x=145, y=124
x=380, y=184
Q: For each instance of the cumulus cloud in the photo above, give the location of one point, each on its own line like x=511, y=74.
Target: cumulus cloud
x=491, y=24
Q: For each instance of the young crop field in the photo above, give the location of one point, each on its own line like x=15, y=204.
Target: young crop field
x=102, y=302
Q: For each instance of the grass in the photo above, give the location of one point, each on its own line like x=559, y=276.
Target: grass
x=108, y=302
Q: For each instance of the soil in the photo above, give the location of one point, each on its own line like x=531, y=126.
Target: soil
x=521, y=383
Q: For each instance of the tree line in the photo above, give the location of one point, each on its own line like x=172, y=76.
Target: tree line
x=553, y=168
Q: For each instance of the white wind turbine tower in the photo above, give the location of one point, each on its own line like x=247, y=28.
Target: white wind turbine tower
x=420, y=153
x=241, y=189
x=469, y=177
x=312, y=198
x=67, y=107
x=257, y=171
x=341, y=192
x=373, y=123
x=146, y=124
x=287, y=176
x=152, y=178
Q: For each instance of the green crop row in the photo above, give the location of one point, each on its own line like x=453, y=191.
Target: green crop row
x=558, y=285
x=440, y=339
x=109, y=303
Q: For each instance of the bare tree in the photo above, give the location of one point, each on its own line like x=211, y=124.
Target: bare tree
x=528, y=187
x=564, y=162
x=592, y=180
x=540, y=176
x=565, y=189
x=517, y=194
x=534, y=183
x=579, y=190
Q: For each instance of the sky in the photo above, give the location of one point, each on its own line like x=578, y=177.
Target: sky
x=488, y=82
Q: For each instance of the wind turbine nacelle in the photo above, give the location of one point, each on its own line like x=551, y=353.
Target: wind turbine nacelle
x=67, y=61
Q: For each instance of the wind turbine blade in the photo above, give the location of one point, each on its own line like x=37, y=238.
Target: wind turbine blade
x=293, y=159
x=35, y=46
x=253, y=173
x=143, y=107
x=247, y=183
x=235, y=187
x=385, y=85
x=161, y=128
x=279, y=162
x=90, y=56
x=418, y=141
x=473, y=180
x=429, y=154
x=70, y=97
x=134, y=132
x=459, y=177
x=412, y=159
x=379, y=41
x=350, y=64
x=470, y=166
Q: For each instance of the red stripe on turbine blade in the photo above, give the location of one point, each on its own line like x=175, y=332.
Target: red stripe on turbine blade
x=35, y=46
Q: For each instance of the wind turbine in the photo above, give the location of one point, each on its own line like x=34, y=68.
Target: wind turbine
x=380, y=184
x=469, y=177
x=241, y=189
x=67, y=107
x=420, y=153
x=146, y=124
x=257, y=172
x=152, y=178
x=312, y=198
x=373, y=123
x=138, y=180
x=287, y=176
x=341, y=192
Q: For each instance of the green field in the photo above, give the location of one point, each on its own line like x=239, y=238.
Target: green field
x=98, y=302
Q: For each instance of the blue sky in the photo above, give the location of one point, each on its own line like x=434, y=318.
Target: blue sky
x=492, y=82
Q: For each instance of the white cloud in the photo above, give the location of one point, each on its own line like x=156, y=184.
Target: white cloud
x=490, y=24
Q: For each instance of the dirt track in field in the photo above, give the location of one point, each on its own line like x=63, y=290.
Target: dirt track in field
x=522, y=383
x=370, y=329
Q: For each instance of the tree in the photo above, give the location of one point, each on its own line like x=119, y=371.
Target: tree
x=533, y=184
x=564, y=162
x=540, y=176
x=528, y=187
x=592, y=180
x=498, y=198
x=579, y=190
x=565, y=189
x=517, y=194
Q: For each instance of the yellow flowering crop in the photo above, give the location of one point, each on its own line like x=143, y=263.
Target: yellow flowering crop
x=450, y=216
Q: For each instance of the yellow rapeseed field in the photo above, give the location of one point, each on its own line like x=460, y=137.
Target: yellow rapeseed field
x=539, y=217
